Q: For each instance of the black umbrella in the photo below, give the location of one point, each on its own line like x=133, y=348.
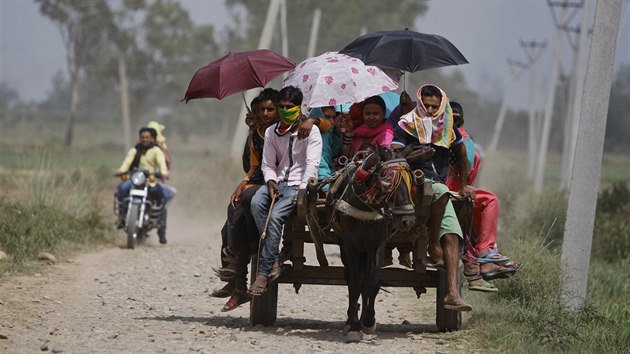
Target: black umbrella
x=404, y=50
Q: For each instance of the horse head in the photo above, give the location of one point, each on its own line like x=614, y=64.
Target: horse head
x=384, y=181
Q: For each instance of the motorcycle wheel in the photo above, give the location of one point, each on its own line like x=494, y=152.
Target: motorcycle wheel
x=132, y=227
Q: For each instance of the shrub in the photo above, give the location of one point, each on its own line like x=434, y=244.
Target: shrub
x=58, y=208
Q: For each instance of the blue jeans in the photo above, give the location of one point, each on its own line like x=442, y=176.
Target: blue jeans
x=169, y=193
x=282, y=210
x=155, y=193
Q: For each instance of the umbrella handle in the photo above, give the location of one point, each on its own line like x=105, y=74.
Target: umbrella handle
x=246, y=105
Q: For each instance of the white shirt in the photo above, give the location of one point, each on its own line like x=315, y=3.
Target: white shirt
x=290, y=159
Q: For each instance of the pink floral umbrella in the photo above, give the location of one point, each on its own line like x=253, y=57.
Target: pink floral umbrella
x=333, y=78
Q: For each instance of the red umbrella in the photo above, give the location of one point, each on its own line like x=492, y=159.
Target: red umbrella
x=237, y=72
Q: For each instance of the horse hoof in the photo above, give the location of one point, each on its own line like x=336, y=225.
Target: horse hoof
x=354, y=337
x=346, y=329
x=368, y=330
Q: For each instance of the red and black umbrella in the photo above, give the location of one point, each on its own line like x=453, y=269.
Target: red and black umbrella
x=237, y=72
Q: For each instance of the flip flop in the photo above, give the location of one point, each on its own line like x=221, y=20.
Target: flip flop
x=499, y=274
x=224, y=291
x=257, y=290
x=492, y=258
x=458, y=305
x=429, y=262
x=233, y=303
x=484, y=287
x=225, y=274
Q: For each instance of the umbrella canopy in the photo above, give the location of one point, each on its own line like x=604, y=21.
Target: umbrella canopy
x=332, y=78
x=392, y=99
x=404, y=50
x=237, y=72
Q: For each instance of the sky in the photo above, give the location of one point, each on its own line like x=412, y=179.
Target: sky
x=487, y=32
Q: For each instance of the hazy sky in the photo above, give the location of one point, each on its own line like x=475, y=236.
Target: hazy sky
x=485, y=31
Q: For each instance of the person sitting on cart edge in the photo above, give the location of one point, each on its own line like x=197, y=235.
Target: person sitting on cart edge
x=243, y=232
x=431, y=123
x=289, y=161
x=146, y=155
x=482, y=260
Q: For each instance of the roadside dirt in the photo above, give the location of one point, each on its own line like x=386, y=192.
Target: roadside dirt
x=155, y=299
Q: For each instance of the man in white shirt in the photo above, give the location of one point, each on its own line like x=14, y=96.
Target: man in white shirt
x=290, y=159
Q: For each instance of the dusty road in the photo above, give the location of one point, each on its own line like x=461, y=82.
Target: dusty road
x=155, y=299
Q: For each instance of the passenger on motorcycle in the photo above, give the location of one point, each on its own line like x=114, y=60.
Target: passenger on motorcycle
x=146, y=155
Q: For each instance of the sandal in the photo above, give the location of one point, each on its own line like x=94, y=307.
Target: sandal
x=236, y=300
x=492, y=258
x=457, y=305
x=256, y=289
x=225, y=291
x=499, y=272
x=429, y=262
x=484, y=287
x=225, y=274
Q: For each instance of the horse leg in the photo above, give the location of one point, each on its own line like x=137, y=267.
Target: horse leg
x=371, y=289
x=352, y=327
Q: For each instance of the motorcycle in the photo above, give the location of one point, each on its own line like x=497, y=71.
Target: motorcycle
x=143, y=213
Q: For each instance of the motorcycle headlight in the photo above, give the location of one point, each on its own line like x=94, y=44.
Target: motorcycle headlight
x=138, y=179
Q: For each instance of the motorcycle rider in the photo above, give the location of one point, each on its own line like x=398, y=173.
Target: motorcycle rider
x=146, y=155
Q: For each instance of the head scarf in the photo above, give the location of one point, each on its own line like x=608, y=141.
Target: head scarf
x=436, y=130
x=158, y=129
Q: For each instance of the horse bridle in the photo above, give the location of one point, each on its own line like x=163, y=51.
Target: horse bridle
x=373, y=193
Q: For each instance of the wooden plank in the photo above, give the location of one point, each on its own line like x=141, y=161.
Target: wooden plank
x=391, y=277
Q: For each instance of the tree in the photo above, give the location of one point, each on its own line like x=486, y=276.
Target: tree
x=619, y=113
x=341, y=21
x=78, y=23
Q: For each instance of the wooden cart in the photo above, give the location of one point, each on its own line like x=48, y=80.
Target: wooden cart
x=263, y=309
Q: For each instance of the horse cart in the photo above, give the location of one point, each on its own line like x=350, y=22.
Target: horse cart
x=310, y=225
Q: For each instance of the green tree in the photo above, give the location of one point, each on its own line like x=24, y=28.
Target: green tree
x=79, y=23
x=341, y=21
x=618, y=124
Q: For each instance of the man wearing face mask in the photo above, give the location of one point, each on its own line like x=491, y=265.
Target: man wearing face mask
x=431, y=124
x=289, y=161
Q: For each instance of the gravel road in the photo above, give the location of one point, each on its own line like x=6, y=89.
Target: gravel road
x=155, y=299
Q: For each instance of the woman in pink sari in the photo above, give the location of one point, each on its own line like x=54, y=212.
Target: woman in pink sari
x=373, y=131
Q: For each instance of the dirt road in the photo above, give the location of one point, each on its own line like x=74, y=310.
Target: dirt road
x=155, y=299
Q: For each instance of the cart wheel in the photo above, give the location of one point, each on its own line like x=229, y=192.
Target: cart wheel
x=447, y=320
x=263, y=309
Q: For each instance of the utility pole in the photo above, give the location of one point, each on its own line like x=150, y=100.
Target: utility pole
x=240, y=134
x=283, y=28
x=516, y=69
x=578, y=232
x=541, y=161
x=573, y=119
x=312, y=41
x=533, y=50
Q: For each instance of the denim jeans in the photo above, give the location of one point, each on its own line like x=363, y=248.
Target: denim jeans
x=282, y=210
x=169, y=194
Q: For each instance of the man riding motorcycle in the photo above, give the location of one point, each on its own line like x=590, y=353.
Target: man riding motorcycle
x=146, y=155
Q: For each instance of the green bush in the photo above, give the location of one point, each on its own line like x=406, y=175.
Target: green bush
x=611, y=237
x=25, y=231
x=59, y=208
x=529, y=312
